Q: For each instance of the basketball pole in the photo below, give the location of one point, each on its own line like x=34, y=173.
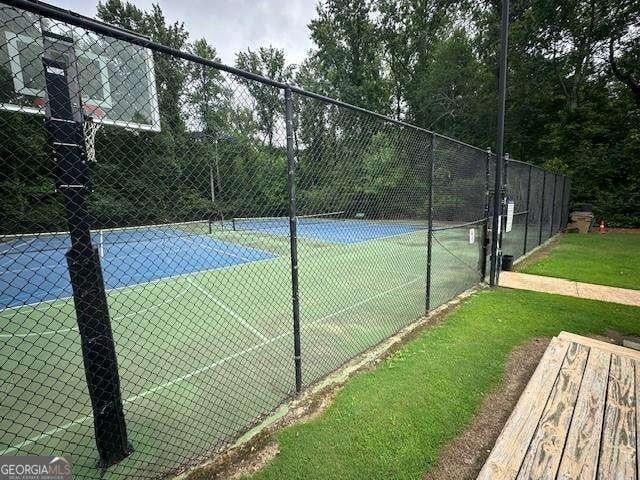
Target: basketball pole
x=498, y=197
x=64, y=125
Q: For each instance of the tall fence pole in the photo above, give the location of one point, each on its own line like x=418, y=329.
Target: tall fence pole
x=564, y=184
x=497, y=200
x=432, y=161
x=503, y=212
x=485, y=224
x=553, y=204
x=293, y=236
x=570, y=190
x=526, y=215
x=64, y=125
x=542, y=207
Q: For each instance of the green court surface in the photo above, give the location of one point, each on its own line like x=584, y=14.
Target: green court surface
x=609, y=259
x=203, y=356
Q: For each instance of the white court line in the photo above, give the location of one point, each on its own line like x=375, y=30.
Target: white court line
x=180, y=275
x=150, y=282
x=72, y=329
x=147, y=253
x=227, y=309
x=206, y=368
x=385, y=237
x=35, y=269
x=224, y=252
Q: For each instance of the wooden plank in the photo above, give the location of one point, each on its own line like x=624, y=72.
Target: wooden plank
x=637, y=378
x=545, y=450
x=607, y=347
x=618, y=449
x=511, y=446
x=582, y=449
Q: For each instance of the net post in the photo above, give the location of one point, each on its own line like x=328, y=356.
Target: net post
x=293, y=238
x=432, y=156
x=485, y=225
x=544, y=192
x=64, y=126
x=553, y=204
x=526, y=215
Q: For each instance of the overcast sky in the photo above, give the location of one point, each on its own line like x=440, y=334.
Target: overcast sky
x=232, y=25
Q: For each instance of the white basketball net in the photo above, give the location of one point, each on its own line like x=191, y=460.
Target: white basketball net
x=90, y=130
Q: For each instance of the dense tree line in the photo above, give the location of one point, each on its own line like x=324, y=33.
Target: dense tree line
x=573, y=107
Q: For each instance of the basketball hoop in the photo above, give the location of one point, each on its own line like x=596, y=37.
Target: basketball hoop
x=90, y=125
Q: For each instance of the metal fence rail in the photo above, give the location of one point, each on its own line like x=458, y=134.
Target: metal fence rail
x=235, y=240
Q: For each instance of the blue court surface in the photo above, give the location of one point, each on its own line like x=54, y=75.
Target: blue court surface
x=328, y=229
x=34, y=269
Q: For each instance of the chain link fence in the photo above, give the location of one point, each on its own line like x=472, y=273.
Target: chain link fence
x=185, y=246
x=541, y=207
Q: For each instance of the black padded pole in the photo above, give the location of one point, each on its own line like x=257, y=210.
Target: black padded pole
x=63, y=123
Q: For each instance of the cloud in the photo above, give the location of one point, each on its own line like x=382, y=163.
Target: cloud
x=233, y=25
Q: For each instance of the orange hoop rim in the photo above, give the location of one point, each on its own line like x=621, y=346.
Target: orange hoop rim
x=89, y=110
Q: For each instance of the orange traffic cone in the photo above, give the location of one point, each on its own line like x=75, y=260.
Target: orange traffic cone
x=601, y=228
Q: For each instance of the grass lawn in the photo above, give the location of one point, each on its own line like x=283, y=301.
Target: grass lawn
x=611, y=259
x=391, y=423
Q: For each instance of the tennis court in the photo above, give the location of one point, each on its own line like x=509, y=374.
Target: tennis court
x=33, y=268
x=330, y=227
x=229, y=292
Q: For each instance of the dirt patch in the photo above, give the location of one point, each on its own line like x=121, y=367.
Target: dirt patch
x=464, y=457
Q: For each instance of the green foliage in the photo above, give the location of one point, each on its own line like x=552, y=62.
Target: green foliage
x=393, y=421
x=269, y=105
x=572, y=107
x=348, y=52
x=611, y=259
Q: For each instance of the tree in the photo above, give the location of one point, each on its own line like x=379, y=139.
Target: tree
x=207, y=91
x=409, y=29
x=624, y=61
x=170, y=76
x=269, y=104
x=348, y=53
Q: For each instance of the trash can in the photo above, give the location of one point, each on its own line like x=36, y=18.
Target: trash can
x=507, y=263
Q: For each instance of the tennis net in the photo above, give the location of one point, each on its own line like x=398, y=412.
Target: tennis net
x=278, y=224
x=46, y=241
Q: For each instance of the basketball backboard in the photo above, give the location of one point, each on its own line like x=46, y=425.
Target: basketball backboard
x=116, y=78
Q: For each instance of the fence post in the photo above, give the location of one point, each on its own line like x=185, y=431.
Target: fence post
x=503, y=213
x=564, y=184
x=567, y=197
x=293, y=237
x=485, y=225
x=526, y=215
x=432, y=156
x=495, y=222
x=64, y=125
x=544, y=192
x=553, y=204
